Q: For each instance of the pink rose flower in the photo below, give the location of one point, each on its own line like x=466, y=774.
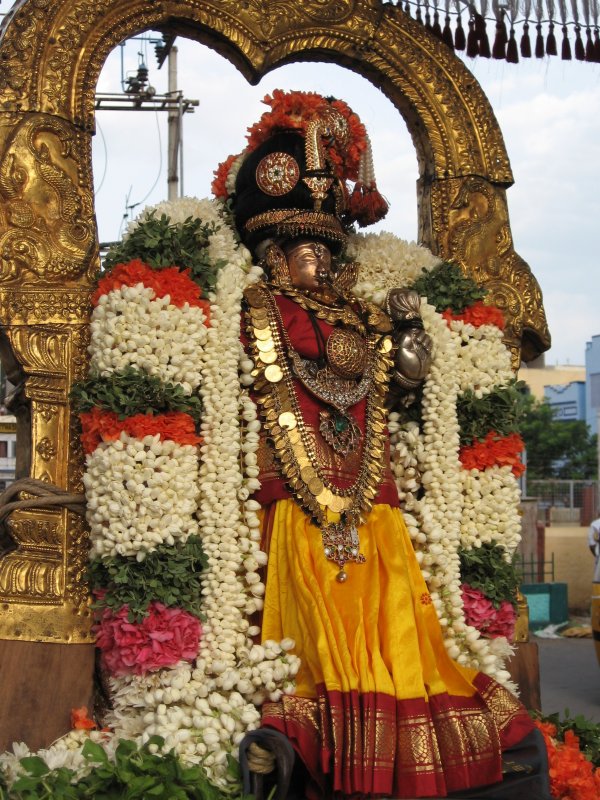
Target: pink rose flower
x=164, y=637
x=504, y=621
x=481, y=614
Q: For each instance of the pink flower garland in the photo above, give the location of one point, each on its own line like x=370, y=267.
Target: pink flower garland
x=481, y=614
x=162, y=639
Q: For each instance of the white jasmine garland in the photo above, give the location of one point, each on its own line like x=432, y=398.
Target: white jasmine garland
x=386, y=262
x=180, y=210
x=484, y=358
x=131, y=327
x=141, y=493
x=204, y=711
x=491, y=508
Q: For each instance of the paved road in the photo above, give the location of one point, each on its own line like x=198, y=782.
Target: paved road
x=570, y=676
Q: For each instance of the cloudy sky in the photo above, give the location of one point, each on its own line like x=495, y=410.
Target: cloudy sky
x=548, y=110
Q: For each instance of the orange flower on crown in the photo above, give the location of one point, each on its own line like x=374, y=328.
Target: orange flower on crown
x=294, y=110
x=219, y=184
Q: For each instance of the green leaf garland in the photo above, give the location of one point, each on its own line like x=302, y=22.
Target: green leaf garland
x=445, y=287
x=170, y=575
x=501, y=411
x=159, y=243
x=486, y=568
x=133, y=392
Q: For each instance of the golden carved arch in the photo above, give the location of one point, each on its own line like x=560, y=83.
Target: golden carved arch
x=51, y=53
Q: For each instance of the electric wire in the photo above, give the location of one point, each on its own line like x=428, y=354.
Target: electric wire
x=126, y=214
x=160, y=164
x=130, y=206
x=103, y=140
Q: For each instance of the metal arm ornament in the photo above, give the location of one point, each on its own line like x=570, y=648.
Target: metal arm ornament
x=414, y=346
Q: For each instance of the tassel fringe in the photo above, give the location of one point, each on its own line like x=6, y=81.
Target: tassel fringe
x=475, y=41
x=366, y=204
x=460, y=41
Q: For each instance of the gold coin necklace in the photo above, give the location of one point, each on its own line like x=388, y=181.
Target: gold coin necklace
x=284, y=423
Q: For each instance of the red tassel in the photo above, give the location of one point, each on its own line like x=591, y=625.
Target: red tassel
x=596, y=46
x=436, y=29
x=460, y=41
x=589, y=46
x=526, y=42
x=539, y=42
x=499, y=49
x=418, y=15
x=367, y=205
x=427, y=18
x=512, y=54
x=551, y=42
x=472, y=43
x=566, y=46
x=482, y=37
x=579, y=48
x=447, y=34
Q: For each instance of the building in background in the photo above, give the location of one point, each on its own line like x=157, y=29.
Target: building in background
x=8, y=436
x=567, y=400
x=537, y=378
x=592, y=382
x=8, y=449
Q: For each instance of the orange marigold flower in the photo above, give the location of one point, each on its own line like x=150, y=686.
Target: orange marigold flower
x=494, y=450
x=171, y=281
x=572, y=776
x=478, y=314
x=105, y=426
x=294, y=110
x=80, y=720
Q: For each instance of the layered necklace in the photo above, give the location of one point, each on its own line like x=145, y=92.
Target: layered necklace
x=357, y=365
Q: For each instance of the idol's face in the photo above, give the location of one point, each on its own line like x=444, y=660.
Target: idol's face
x=309, y=264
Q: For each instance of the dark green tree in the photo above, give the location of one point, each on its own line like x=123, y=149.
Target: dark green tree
x=556, y=448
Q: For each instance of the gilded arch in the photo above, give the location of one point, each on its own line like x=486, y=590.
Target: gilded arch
x=51, y=53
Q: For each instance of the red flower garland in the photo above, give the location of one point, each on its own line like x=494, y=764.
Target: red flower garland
x=105, y=426
x=162, y=639
x=494, y=450
x=478, y=314
x=572, y=776
x=170, y=281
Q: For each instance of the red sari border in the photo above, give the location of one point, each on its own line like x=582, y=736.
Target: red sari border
x=372, y=745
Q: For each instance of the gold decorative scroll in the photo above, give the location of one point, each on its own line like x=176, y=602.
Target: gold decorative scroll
x=51, y=52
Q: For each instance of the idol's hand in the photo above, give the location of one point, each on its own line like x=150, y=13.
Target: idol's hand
x=413, y=357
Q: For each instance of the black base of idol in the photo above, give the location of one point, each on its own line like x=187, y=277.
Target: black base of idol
x=525, y=769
